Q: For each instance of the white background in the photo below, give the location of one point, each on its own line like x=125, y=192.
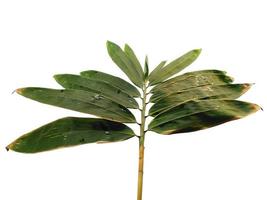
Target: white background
x=41, y=38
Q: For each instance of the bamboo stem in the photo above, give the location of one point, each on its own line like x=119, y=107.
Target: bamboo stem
x=141, y=146
x=140, y=172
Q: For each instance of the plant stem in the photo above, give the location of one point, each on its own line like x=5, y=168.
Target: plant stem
x=141, y=145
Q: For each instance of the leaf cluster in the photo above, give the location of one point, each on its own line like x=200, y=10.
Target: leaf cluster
x=181, y=103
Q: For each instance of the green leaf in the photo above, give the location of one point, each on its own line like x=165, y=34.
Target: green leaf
x=156, y=70
x=229, y=91
x=135, y=62
x=186, y=82
x=198, y=115
x=146, y=68
x=71, y=131
x=175, y=66
x=113, y=81
x=81, y=101
x=70, y=81
x=121, y=59
x=200, y=77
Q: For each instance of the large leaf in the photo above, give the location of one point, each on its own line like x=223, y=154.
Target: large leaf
x=113, y=81
x=124, y=63
x=70, y=81
x=186, y=82
x=229, y=91
x=200, y=77
x=197, y=115
x=71, y=131
x=174, y=67
x=82, y=101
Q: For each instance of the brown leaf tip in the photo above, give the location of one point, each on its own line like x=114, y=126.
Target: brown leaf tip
x=256, y=107
x=19, y=90
x=7, y=148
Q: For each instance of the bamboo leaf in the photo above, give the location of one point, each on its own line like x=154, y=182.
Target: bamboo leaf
x=196, y=78
x=189, y=82
x=113, y=81
x=175, y=66
x=134, y=60
x=146, y=68
x=155, y=71
x=229, y=91
x=81, y=101
x=70, y=81
x=121, y=59
x=71, y=131
x=198, y=115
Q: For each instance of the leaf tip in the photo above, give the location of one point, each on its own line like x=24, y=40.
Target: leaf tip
x=247, y=86
x=19, y=90
x=7, y=148
x=110, y=44
x=56, y=77
x=10, y=146
x=257, y=107
x=126, y=47
x=198, y=51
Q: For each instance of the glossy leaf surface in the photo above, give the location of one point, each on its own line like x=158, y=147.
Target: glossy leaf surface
x=71, y=131
x=78, y=100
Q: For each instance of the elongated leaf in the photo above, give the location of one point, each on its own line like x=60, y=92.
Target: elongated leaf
x=124, y=63
x=189, y=83
x=229, y=91
x=146, y=68
x=155, y=71
x=70, y=81
x=135, y=62
x=82, y=101
x=196, y=78
x=175, y=66
x=198, y=115
x=71, y=131
x=113, y=81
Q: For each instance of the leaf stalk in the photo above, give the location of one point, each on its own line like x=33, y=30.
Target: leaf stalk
x=141, y=144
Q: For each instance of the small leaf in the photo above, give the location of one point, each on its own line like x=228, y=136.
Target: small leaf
x=146, y=68
x=175, y=66
x=71, y=131
x=113, y=81
x=198, y=115
x=155, y=71
x=135, y=62
x=229, y=91
x=124, y=63
x=70, y=81
x=81, y=101
x=186, y=82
